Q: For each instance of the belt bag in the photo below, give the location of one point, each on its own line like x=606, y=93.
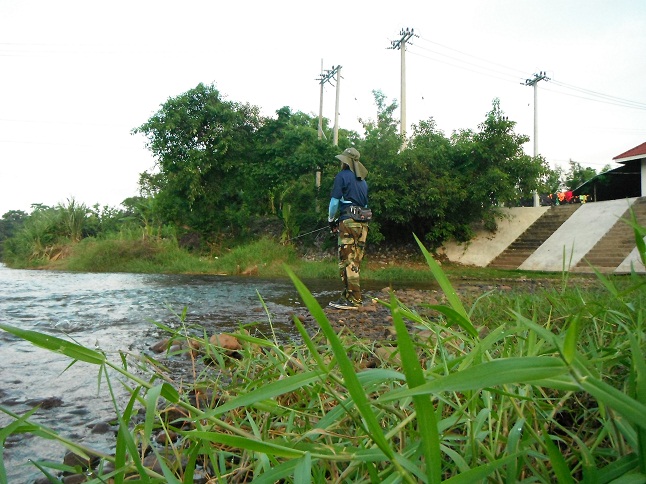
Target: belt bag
x=359, y=214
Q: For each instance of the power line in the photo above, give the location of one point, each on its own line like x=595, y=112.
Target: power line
x=598, y=97
x=515, y=79
x=59, y=122
x=599, y=94
x=521, y=73
x=477, y=68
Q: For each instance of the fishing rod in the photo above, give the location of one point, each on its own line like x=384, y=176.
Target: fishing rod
x=307, y=233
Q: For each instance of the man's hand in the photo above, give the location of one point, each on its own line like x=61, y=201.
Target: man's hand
x=334, y=226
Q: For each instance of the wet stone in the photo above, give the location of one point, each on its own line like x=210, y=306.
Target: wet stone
x=101, y=428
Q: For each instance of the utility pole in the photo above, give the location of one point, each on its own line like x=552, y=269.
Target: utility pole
x=541, y=76
x=321, y=81
x=335, y=139
x=401, y=45
x=324, y=77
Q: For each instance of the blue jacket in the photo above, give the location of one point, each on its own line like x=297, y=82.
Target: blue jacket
x=347, y=190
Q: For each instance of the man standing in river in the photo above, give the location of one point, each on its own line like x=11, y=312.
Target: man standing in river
x=349, y=200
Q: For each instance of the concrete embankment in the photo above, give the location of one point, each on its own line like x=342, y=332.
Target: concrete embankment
x=592, y=234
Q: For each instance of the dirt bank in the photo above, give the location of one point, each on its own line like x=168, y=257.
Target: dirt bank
x=373, y=321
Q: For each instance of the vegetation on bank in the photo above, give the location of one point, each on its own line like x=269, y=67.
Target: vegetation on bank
x=547, y=386
x=225, y=176
x=265, y=258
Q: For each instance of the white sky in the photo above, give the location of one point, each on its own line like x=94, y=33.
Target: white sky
x=76, y=76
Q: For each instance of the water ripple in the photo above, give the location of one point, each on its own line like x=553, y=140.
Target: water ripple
x=112, y=312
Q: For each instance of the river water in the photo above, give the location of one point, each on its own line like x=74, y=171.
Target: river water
x=112, y=312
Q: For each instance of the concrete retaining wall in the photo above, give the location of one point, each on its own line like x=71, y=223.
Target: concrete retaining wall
x=574, y=238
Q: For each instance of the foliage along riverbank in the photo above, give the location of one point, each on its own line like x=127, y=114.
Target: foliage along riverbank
x=541, y=386
x=266, y=257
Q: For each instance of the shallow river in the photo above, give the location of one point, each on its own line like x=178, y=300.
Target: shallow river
x=111, y=312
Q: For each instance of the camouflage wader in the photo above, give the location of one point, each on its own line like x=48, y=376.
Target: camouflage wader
x=352, y=244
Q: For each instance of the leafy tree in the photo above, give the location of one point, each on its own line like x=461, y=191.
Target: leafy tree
x=143, y=211
x=288, y=151
x=438, y=187
x=577, y=175
x=552, y=181
x=35, y=238
x=494, y=160
x=203, y=145
x=380, y=153
x=412, y=191
x=382, y=140
x=10, y=223
x=105, y=220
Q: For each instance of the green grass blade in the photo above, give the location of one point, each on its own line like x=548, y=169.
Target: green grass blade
x=169, y=392
x=38, y=430
x=512, y=447
x=303, y=471
x=311, y=346
x=278, y=473
x=571, y=337
x=490, y=374
x=445, y=284
x=345, y=365
x=268, y=391
x=621, y=468
x=152, y=396
x=168, y=474
x=126, y=444
x=50, y=477
x=563, y=382
x=480, y=473
x=6, y=432
x=639, y=370
x=426, y=418
x=455, y=316
x=57, y=345
x=252, y=445
x=630, y=408
x=561, y=470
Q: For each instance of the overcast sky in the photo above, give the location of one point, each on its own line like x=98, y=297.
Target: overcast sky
x=76, y=76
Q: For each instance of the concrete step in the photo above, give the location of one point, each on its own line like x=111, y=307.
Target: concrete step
x=614, y=247
x=535, y=235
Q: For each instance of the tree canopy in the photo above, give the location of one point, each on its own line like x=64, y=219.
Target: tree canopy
x=439, y=187
x=222, y=170
x=220, y=164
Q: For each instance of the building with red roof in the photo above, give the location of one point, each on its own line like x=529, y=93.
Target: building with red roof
x=627, y=181
x=636, y=153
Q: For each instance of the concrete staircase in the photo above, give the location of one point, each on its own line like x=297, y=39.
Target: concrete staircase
x=530, y=240
x=616, y=244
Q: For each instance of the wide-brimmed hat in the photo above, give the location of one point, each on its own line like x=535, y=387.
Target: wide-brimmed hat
x=350, y=157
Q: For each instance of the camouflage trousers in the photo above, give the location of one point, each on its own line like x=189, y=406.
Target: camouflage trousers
x=352, y=244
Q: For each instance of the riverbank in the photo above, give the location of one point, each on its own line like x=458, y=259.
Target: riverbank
x=264, y=258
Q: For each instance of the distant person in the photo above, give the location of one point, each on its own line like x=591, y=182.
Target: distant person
x=348, y=216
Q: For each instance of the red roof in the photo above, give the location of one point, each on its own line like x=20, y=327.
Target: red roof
x=632, y=153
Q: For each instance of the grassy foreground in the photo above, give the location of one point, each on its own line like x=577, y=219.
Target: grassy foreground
x=551, y=389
